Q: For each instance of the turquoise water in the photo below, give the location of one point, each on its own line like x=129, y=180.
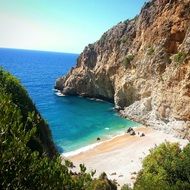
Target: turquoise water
x=74, y=121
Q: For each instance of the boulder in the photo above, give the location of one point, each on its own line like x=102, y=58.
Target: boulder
x=132, y=132
x=142, y=135
x=129, y=130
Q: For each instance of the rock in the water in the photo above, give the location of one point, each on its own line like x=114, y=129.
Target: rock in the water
x=98, y=139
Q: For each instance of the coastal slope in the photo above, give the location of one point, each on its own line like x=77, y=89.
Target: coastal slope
x=143, y=66
x=19, y=98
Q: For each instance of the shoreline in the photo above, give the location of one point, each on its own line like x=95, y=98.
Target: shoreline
x=121, y=156
x=95, y=144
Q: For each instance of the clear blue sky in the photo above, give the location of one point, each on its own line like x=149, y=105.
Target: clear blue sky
x=60, y=25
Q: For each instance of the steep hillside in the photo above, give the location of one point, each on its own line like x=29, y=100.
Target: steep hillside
x=42, y=140
x=143, y=66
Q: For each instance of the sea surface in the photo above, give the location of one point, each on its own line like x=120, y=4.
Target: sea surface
x=75, y=122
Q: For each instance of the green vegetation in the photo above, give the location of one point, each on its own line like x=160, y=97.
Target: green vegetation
x=179, y=57
x=126, y=21
x=24, y=161
x=124, y=40
x=125, y=187
x=102, y=183
x=41, y=141
x=166, y=168
x=150, y=51
x=127, y=60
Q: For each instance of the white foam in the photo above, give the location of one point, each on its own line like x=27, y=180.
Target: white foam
x=80, y=150
x=107, y=128
x=95, y=99
x=58, y=93
x=55, y=90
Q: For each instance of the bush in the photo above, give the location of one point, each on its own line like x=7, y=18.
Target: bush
x=150, y=51
x=125, y=40
x=42, y=140
x=179, y=57
x=126, y=187
x=127, y=60
x=126, y=21
x=167, y=167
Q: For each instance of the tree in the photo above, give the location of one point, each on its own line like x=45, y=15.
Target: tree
x=167, y=167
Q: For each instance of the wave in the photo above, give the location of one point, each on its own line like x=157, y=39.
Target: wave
x=58, y=92
x=96, y=99
x=80, y=150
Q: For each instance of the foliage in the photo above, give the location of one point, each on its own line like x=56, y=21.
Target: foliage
x=22, y=167
x=125, y=39
x=126, y=187
x=179, y=57
x=126, y=21
x=166, y=168
x=150, y=51
x=103, y=183
x=41, y=141
x=127, y=60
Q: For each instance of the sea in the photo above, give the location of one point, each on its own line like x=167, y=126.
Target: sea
x=75, y=122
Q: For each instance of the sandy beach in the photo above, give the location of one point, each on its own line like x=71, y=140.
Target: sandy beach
x=121, y=157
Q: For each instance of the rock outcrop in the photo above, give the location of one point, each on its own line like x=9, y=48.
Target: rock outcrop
x=143, y=66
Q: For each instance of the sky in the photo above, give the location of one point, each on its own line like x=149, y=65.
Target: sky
x=60, y=25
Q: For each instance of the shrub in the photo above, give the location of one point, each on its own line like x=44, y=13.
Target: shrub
x=179, y=57
x=126, y=21
x=125, y=40
x=126, y=187
x=42, y=140
x=150, y=51
x=167, y=167
x=127, y=60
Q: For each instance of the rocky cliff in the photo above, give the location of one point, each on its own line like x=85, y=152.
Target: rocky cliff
x=143, y=66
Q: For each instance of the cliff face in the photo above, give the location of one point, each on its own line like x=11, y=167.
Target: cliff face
x=143, y=66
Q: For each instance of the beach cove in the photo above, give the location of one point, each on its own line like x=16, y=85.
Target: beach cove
x=121, y=157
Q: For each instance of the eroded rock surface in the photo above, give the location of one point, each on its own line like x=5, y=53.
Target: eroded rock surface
x=143, y=66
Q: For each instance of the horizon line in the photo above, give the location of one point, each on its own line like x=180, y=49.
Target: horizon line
x=50, y=51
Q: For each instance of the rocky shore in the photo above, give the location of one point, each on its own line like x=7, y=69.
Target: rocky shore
x=143, y=66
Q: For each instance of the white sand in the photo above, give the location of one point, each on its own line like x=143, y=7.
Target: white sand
x=123, y=155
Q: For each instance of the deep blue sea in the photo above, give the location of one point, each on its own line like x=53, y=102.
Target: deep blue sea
x=75, y=122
